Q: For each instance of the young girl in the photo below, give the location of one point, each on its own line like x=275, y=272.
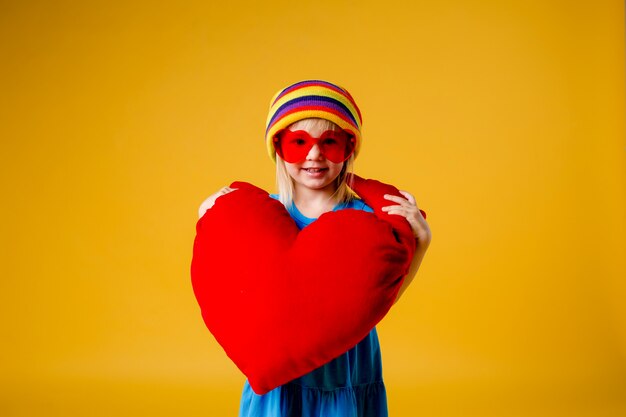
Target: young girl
x=313, y=134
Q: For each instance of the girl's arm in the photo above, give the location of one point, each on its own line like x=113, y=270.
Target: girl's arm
x=420, y=251
x=407, y=207
x=208, y=203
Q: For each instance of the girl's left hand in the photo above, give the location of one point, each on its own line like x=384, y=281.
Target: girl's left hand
x=407, y=207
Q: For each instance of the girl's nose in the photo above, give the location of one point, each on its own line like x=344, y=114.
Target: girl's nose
x=314, y=153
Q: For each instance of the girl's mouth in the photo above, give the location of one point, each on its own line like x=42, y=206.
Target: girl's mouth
x=315, y=172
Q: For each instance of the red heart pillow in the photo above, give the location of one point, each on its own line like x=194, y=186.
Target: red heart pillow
x=283, y=302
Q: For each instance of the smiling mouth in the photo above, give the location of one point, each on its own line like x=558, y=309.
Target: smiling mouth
x=313, y=170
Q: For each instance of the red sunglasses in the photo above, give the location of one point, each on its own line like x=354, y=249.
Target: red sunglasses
x=294, y=145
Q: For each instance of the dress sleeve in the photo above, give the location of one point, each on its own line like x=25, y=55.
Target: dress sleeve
x=360, y=205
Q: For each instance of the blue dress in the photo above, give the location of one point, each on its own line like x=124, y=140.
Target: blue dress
x=350, y=385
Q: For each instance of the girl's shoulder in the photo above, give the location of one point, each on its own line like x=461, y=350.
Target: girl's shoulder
x=357, y=204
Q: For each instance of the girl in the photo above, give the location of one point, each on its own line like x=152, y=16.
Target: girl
x=313, y=133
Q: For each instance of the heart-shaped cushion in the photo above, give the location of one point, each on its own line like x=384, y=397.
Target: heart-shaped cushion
x=283, y=302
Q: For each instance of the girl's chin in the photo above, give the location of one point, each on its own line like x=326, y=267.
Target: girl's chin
x=315, y=183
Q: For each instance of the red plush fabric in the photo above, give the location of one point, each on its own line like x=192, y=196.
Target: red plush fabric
x=282, y=302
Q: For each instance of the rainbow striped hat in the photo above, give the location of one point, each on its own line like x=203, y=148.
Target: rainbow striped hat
x=312, y=98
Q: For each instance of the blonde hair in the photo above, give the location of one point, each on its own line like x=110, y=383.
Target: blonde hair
x=285, y=184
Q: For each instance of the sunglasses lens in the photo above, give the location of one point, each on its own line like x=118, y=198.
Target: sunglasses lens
x=337, y=147
x=294, y=146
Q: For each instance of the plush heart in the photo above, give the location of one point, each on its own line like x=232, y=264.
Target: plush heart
x=282, y=302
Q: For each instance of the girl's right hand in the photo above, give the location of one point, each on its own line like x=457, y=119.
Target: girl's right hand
x=208, y=203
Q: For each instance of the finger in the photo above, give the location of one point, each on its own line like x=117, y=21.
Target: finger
x=397, y=213
x=203, y=209
x=401, y=207
x=226, y=190
x=408, y=213
x=408, y=196
x=395, y=198
x=396, y=210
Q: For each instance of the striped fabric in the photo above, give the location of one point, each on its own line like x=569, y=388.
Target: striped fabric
x=312, y=98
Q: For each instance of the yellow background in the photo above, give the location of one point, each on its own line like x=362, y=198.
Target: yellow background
x=504, y=119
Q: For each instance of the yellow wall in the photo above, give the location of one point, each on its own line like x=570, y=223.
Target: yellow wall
x=504, y=119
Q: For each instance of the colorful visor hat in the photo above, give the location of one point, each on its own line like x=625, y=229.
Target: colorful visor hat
x=312, y=99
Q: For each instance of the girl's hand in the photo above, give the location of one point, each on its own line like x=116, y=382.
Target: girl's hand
x=407, y=207
x=208, y=203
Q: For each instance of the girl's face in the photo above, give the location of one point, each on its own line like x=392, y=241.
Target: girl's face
x=315, y=172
